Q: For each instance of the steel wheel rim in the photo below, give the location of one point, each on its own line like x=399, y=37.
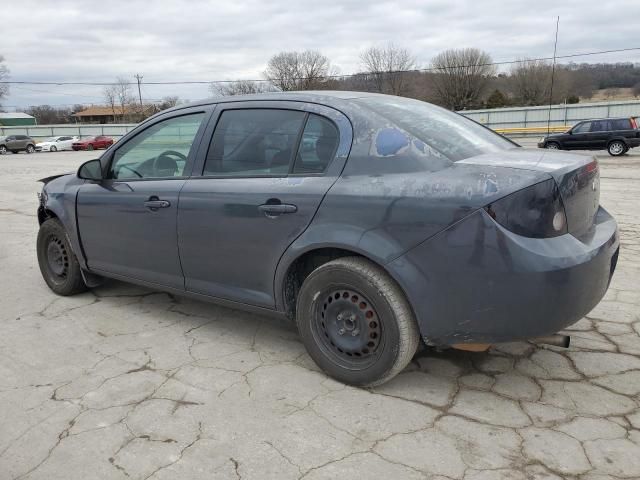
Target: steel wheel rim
x=552, y=146
x=57, y=258
x=616, y=148
x=347, y=328
x=3, y=150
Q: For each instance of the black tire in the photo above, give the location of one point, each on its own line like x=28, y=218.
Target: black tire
x=356, y=297
x=53, y=148
x=3, y=149
x=617, y=148
x=552, y=146
x=89, y=147
x=31, y=148
x=58, y=264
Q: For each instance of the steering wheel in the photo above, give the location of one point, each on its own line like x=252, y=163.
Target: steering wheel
x=167, y=154
x=132, y=170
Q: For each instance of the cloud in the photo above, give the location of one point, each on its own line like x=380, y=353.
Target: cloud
x=76, y=40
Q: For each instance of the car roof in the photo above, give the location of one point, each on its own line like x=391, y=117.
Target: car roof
x=600, y=119
x=331, y=98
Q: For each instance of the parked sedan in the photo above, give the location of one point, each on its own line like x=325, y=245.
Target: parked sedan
x=405, y=223
x=93, y=143
x=616, y=135
x=54, y=144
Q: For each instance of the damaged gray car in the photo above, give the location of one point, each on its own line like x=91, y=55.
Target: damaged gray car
x=376, y=223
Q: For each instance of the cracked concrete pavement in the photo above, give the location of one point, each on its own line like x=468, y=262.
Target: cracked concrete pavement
x=126, y=383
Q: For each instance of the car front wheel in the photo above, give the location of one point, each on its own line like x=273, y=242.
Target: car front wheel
x=31, y=149
x=3, y=149
x=89, y=147
x=53, y=149
x=355, y=322
x=553, y=146
x=58, y=264
x=616, y=148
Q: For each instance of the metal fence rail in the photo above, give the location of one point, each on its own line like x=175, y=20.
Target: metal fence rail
x=511, y=121
x=561, y=115
x=38, y=132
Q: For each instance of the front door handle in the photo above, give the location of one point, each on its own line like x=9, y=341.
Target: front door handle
x=275, y=209
x=154, y=203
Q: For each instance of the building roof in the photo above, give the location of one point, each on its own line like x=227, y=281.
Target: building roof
x=99, y=111
x=14, y=115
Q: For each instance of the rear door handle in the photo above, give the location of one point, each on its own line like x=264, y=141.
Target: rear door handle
x=275, y=209
x=154, y=203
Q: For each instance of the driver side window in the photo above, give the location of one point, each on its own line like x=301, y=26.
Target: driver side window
x=160, y=151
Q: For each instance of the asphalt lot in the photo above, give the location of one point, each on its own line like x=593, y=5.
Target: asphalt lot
x=126, y=383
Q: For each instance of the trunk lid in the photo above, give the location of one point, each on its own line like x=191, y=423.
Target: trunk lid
x=577, y=176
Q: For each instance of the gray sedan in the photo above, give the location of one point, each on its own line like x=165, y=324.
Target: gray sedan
x=376, y=223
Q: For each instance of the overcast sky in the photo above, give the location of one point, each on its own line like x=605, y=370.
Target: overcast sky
x=76, y=40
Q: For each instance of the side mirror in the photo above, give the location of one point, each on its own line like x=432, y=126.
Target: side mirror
x=91, y=170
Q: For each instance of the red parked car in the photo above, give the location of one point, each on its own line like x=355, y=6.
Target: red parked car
x=92, y=143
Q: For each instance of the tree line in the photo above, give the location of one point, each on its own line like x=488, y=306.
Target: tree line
x=457, y=79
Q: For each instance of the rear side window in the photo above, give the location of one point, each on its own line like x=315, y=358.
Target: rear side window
x=317, y=146
x=446, y=133
x=254, y=142
x=599, y=126
x=620, y=124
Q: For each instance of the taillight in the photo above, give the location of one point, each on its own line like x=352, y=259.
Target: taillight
x=536, y=211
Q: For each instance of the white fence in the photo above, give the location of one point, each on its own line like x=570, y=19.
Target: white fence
x=497, y=119
x=531, y=117
x=43, y=131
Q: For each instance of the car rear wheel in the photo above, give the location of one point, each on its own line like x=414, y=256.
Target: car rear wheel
x=355, y=322
x=616, y=148
x=31, y=149
x=553, y=146
x=3, y=149
x=53, y=149
x=58, y=264
x=89, y=147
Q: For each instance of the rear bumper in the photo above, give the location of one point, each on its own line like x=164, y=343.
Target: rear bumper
x=476, y=282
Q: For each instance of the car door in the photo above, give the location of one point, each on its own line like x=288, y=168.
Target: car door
x=127, y=222
x=259, y=182
x=599, y=134
x=64, y=143
x=579, y=137
x=11, y=142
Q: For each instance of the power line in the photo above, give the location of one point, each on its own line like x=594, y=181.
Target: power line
x=417, y=70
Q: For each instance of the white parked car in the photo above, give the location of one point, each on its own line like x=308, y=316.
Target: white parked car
x=54, y=144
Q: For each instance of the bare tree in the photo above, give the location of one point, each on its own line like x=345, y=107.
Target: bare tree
x=298, y=70
x=110, y=93
x=461, y=76
x=4, y=74
x=240, y=87
x=531, y=82
x=123, y=95
x=387, y=67
x=169, y=101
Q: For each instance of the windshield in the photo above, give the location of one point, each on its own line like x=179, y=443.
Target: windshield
x=452, y=135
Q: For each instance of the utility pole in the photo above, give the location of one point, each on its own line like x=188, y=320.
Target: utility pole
x=553, y=74
x=139, y=79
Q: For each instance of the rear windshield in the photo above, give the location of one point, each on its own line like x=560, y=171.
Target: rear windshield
x=453, y=136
